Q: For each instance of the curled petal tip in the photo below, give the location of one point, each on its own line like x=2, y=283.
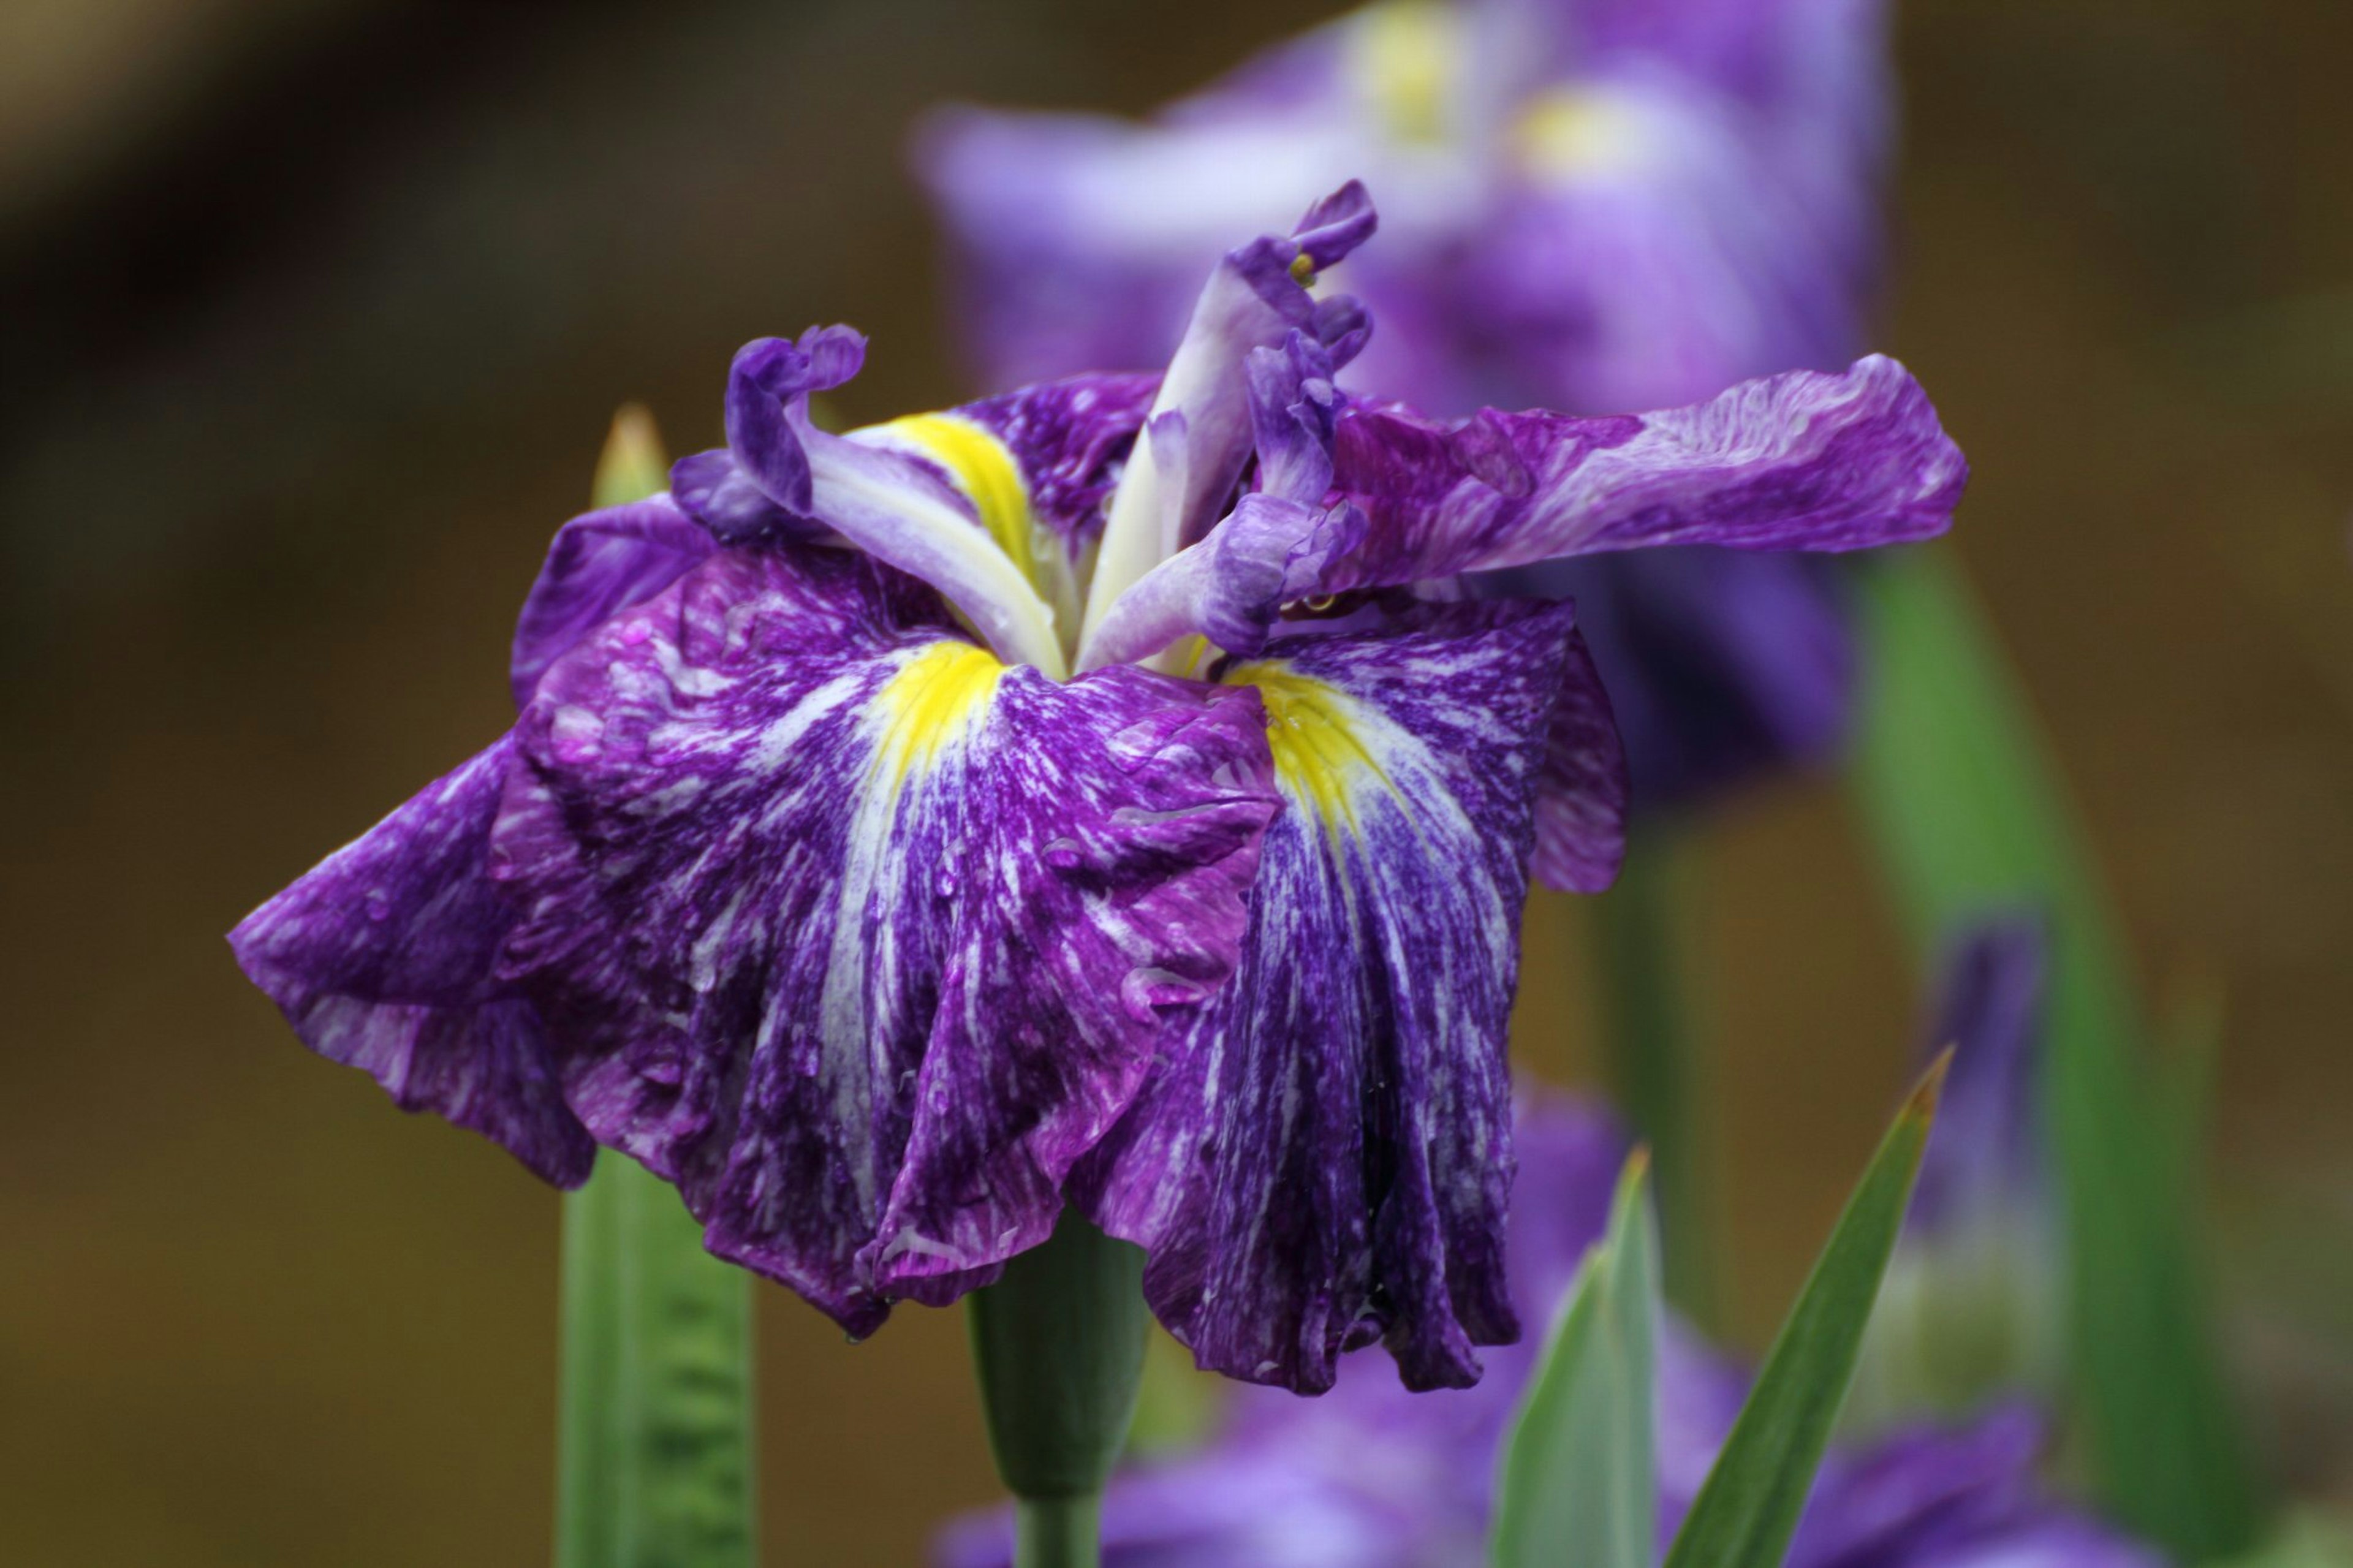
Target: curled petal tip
x=1336, y=225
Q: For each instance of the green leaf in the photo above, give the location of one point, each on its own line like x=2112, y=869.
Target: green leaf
x=1747, y=1508
x=654, y=1418
x=1576, y=1485
x=1967, y=813
x=654, y=1449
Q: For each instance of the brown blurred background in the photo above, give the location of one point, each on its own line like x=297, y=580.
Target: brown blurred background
x=311, y=315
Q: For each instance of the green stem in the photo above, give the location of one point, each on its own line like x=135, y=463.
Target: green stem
x=1057, y=1533
x=1655, y=1065
x=654, y=1434
x=1058, y=1345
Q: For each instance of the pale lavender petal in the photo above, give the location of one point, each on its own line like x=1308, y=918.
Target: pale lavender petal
x=1323, y=1159
x=1919, y=1487
x=1279, y=542
x=1248, y=1507
x=857, y=934
x=384, y=958
x=2051, y=1537
x=780, y=477
x=1803, y=461
x=598, y=565
x=1231, y=587
x=1256, y=298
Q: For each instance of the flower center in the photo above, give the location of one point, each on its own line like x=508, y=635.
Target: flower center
x=1316, y=733
x=935, y=697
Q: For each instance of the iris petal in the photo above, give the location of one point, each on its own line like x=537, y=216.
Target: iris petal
x=1325, y=1155
x=1804, y=460
x=598, y=565
x=1255, y=299
x=855, y=932
x=384, y=958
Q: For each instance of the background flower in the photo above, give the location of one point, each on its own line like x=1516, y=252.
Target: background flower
x=1591, y=206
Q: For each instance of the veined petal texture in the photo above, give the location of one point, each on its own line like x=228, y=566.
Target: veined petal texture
x=1804, y=460
x=599, y=564
x=1325, y=1156
x=384, y=958
x=857, y=934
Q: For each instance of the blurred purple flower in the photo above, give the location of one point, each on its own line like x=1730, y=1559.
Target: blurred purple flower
x=1374, y=1477
x=1970, y=1305
x=1095, y=794
x=1590, y=205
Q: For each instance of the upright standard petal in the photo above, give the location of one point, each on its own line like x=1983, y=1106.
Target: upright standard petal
x=1799, y=461
x=1257, y=297
x=1323, y=1158
x=1279, y=541
x=856, y=933
x=385, y=956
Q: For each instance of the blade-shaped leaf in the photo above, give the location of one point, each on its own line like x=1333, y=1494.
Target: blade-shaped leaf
x=1747, y=1508
x=654, y=1443
x=654, y=1421
x=1969, y=814
x=1576, y=1485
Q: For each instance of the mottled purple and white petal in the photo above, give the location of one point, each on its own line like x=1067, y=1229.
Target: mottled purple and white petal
x=1581, y=791
x=854, y=933
x=384, y=957
x=598, y=565
x=1799, y=461
x=1071, y=438
x=1323, y=1158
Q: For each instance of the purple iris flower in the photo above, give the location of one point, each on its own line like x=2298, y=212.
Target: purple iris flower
x=1373, y=1476
x=1589, y=204
x=1094, y=794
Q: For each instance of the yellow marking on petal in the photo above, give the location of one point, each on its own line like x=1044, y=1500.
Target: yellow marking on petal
x=1564, y=132
x=933, y=698
x=985, y=471
x=1316, y=733
x=1406, y=55
x=1302, y=270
